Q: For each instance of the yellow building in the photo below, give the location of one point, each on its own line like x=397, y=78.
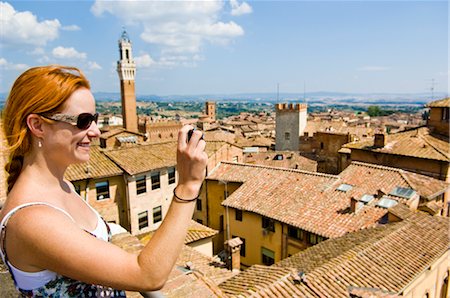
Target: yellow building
x=278, y=212
x=393, y=260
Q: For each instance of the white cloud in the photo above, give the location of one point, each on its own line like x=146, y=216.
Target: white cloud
x=144, y=61
x=4, y=64
x=177, y=28
x=240, y=9
x=71, y=28
x=23, y=28
x=92, y=65
x=64, y=53
x=373, y=68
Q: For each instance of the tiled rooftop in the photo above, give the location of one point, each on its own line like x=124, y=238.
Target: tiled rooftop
x=386, y=259
x=148, y=157
x=143, y=158
x=416, y=143
x=441, y=103
x=370, y=177
x=98, y=166
x=195, y=232
x=200, y=281
x=290, y=159
x=284, y=194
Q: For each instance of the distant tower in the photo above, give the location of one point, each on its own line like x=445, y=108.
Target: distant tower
x=127, y=72
x=210, y=110
x=290, y=125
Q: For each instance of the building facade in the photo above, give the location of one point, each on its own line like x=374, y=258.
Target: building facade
x=290, y=124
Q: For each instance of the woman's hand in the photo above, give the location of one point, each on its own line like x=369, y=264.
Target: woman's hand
x=191, y=162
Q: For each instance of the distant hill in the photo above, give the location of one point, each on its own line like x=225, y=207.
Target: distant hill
x=322, y=97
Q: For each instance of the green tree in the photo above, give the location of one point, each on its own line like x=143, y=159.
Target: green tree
x=374, y=111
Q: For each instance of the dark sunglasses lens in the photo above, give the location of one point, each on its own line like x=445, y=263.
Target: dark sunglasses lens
x=84, y=120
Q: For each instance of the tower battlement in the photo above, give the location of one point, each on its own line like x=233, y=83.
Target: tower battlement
x=280, y=107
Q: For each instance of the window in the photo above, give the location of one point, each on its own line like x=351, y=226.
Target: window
x=235, y=158
x=242, y=252
x=199, y=221
x=102, y=190
x=238, y=215
x=287, y=136
x=221, y=223
x=321, y=145
x=157, y=214
x=141, y=185
x=78, y=189
x=171, y=173
x=267, y=256
x=155, y=181
x=268, y=224
x=199, y=205
x=296, y=233
x=445, y=114
x=312, y=238
x=143, y=220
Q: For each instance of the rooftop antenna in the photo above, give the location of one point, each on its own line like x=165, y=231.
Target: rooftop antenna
x=278, y=92
x=433, y=83
x=304, y=91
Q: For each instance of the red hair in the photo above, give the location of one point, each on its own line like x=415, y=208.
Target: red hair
x=42, y=89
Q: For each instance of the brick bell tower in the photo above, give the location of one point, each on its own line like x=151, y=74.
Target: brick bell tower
x=126, y=67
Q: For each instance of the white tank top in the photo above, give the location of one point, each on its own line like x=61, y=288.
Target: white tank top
x=32, y=280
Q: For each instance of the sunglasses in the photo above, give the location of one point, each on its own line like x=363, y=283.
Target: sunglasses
x=82, y=121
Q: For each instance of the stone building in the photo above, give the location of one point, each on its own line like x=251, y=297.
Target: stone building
x=290, y=125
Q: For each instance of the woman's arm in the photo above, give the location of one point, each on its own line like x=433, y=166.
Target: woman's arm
x=52, y=241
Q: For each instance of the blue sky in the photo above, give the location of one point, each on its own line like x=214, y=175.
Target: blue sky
x=226, y=47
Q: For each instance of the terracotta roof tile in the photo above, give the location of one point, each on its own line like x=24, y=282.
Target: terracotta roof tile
x=200, y=281
x=388, y=257
x=283, y=194
x=370, y=177
x=441, y=103
x=290, y=159
x=379, y=261
x=196, y=231
x=416, y=142
x=98, y=166
x=143, y=158
x=148, y=157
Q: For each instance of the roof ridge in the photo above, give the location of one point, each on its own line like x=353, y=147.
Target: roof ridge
x=372, y=165
x=281, y=169
x=422, y=137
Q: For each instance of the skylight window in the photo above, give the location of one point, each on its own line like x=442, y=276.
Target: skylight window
x=366, y=199
x=127, y=139
x=344, y=187
x=403, y=192
x=386, y=203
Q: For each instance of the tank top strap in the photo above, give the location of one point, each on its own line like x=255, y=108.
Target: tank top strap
x=4, y=222
x=8, y=215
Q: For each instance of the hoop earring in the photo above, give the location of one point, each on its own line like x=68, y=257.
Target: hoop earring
x=39, y=144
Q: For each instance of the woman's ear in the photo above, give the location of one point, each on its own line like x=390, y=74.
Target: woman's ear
x=35, y=125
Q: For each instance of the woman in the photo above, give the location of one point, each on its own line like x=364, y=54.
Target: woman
x=53, y=242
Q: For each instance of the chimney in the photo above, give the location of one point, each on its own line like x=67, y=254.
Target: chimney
x=380, y=140
x=353, y=203
x=380, y=193
x=233, y=248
